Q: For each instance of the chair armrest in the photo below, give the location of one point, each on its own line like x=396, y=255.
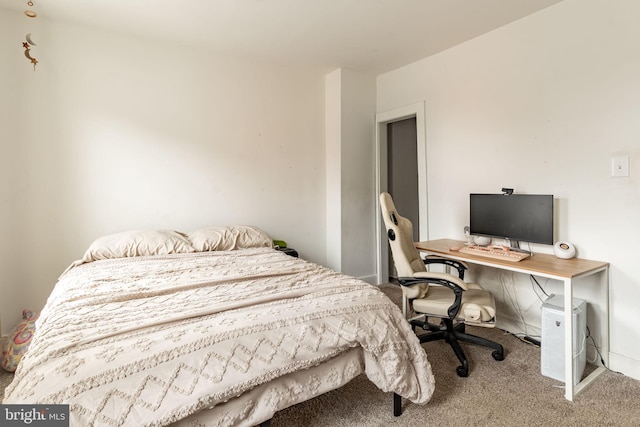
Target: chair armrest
x=452, y=282
x=461, y=266
x=444, y=279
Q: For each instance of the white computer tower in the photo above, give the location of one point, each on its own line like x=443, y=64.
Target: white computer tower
x=552, y=342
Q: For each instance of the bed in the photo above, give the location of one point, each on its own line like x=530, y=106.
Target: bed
x=209, y=328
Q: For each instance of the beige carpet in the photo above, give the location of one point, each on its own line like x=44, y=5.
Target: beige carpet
x=507, y=393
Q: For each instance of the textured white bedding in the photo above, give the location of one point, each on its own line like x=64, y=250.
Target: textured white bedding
x=211, y=338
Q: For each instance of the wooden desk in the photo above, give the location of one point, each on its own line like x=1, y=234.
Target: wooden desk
x=543, y=265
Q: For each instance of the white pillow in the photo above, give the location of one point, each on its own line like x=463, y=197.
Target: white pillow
x=229, y=238
x=138, y=243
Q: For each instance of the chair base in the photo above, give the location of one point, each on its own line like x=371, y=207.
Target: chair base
x=453, y=333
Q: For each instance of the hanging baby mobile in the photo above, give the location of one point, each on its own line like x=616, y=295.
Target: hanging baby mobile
x=28, y=41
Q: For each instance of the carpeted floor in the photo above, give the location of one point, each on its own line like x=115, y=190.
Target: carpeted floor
x=507, y=393
x=5, y=379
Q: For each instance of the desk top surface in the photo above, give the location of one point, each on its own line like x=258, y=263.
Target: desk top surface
x=538, y=263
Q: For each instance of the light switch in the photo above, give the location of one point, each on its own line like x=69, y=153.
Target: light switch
x=620, y=166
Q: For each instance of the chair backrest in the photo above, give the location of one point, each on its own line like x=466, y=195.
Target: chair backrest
x=400, y=234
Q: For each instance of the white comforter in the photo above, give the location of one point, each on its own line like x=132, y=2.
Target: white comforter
x=155, y=340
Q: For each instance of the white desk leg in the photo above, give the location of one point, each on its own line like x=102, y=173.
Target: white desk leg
x=568, y=339
x=604, y=325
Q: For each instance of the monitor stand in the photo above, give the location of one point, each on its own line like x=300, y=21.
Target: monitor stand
x=514, y=245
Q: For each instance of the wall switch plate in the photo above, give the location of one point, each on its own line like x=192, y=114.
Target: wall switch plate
x=620, y=166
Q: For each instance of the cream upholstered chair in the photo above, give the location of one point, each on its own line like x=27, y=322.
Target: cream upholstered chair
x=435, y=294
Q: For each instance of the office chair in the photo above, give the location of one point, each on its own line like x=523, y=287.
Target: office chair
x=439, y=295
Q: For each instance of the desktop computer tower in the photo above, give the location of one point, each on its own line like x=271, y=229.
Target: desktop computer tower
x=552, y=342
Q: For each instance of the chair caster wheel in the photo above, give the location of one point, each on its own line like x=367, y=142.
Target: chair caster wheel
x=498, y=355
x=462, y=371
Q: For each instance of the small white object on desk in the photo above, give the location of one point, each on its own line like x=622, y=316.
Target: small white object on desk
x=482, y=240
x=564, y=250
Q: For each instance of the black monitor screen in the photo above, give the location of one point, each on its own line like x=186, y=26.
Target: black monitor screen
x=521, y=217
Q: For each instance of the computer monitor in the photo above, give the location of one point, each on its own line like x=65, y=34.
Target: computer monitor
x=516, y=217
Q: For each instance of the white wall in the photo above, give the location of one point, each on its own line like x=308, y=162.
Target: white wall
x=333, y=141
x=10, y=131
x=350, y=112
x=113, y=133
x=358, y=175
x=541, y=105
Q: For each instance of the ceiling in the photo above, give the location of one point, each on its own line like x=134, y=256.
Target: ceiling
x=372, y=36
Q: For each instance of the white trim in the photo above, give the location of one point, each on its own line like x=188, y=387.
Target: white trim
x=416, y=110
x=625, y=365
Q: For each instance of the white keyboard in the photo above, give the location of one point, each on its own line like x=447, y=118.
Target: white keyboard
x=495, y=252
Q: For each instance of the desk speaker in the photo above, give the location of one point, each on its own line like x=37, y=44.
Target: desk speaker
x=564, y=250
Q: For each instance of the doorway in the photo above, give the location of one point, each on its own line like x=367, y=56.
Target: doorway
x=401, y=169
x=402, y=175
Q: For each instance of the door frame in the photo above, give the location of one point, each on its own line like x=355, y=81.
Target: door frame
x=416, y=110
